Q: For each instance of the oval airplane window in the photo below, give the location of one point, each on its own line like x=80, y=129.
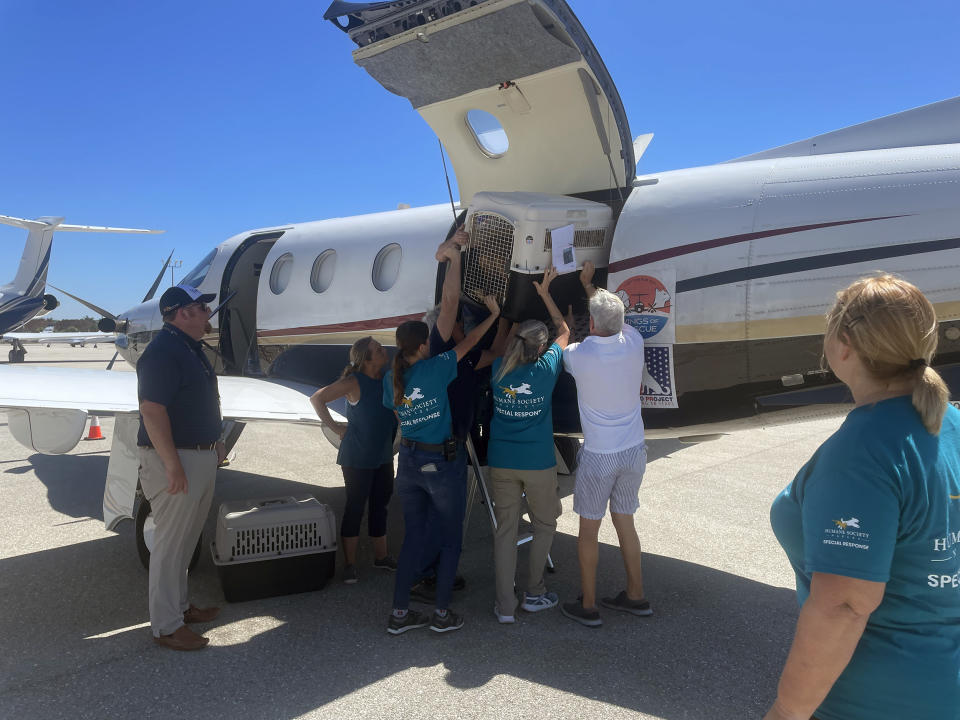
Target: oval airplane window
x=322, y=274
x=280, y=275
x=488, y=132
x=386, y=267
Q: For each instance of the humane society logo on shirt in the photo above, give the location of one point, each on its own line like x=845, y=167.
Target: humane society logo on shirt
x=424, y=410
x=512, y=401
x=413, y=412
x=847, y=533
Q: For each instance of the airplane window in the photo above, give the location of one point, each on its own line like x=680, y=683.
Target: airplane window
x=322, y=274
x=199, y=273
x=386, y=267
x=488, y=132
x=280, y=275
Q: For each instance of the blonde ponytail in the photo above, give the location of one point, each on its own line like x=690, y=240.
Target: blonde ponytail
x=524, y=347
x=930, y=397
x=359, y=354
x=893, y=329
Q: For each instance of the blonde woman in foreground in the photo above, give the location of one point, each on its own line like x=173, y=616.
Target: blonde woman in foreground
x=871, y=526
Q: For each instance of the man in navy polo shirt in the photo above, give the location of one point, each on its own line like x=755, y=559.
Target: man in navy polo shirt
x=179, y=448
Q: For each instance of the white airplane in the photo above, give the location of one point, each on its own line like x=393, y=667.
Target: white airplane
x=24, y=297
x=49, y=337
x=743, y=257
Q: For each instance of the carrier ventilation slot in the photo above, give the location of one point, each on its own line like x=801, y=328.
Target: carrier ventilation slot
x=487, y=261
x=589, y=238
x=276, y=540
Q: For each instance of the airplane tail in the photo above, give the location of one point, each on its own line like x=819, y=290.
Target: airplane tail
x=32, y=272
x=24, y=297
x=934, y=124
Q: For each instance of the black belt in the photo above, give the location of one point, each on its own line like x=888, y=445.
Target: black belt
x=417, y=445
x=201, y=446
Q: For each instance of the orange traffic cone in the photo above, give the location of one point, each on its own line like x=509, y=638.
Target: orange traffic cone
x=95, y=432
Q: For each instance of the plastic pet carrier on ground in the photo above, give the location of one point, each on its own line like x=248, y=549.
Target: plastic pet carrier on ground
x=275, y=546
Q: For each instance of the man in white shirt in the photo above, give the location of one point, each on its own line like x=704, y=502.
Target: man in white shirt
x=608, y=368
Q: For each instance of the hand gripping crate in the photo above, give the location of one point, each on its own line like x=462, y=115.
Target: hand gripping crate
x=274, y=546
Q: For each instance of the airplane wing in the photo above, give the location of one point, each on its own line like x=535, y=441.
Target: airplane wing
x=47, y=410
x=99, y=392
x=59, y=337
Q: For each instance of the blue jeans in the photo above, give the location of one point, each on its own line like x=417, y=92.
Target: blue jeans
x=431, y=488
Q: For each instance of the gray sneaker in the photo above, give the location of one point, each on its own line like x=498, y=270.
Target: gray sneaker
x=387, y=562
x=576, y=611
x=536, y=603
x=411, y=620
x=350, y=574
x=450, y=621
x=624, y=604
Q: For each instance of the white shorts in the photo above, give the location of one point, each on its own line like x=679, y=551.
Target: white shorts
x=611, y=476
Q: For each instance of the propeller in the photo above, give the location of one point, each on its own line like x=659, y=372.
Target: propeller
x=109, y=321
x=156, y=283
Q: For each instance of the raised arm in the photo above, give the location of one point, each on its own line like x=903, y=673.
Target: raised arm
x=474, y=336
x=348, y=387
x=504, y=329
x=449, y=251
x=586, y=278
x=543, y=290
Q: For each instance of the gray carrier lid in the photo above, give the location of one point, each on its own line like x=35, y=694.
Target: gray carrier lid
x=267, y=528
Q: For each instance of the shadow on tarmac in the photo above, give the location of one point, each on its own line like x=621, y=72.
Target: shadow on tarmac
x=714, y=648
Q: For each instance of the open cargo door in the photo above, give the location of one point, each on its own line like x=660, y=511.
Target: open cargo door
x=514, y=89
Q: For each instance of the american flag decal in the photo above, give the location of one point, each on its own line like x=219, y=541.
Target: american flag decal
x=659, y=390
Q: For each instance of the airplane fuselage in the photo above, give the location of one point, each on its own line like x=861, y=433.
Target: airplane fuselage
x=758, y=248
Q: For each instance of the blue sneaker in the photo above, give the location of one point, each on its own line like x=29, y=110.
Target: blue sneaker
x=536, y=603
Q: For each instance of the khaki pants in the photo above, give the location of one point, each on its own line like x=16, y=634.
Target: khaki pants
x=543, y=501
x=179, y=521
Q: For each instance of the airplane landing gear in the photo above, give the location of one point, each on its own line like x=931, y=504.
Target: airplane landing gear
x=17, y=354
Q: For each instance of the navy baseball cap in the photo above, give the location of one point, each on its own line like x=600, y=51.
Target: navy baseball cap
x=180, y=296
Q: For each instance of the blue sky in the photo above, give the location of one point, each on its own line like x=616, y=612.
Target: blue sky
x=210, y=118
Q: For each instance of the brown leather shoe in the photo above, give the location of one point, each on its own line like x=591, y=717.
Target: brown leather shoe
x=200, y=615
x=183, y=638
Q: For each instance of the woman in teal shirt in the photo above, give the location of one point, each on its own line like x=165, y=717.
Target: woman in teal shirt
x=871, y=525
x=431, y=470
x=366, y=451
x=521, y=454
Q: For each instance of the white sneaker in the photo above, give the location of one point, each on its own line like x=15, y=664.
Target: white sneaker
x=503, y=619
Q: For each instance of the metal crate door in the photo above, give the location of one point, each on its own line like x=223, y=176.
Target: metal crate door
x=486, y=267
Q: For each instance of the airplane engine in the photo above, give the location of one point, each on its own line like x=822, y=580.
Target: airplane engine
x=50, y=303
x=106, y=325
x=511, y=245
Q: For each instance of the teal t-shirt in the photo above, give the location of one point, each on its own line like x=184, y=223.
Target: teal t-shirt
x=521, y=432
x=880, y=501
x=425, y=410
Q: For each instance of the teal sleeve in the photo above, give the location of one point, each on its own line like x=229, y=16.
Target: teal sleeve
x=851, y=513
x=552, y=359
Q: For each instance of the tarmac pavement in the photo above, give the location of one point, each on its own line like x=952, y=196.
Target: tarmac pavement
x=76, y=640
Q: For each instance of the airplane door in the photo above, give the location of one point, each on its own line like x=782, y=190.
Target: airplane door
x=238, y=320
x=514, y=89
